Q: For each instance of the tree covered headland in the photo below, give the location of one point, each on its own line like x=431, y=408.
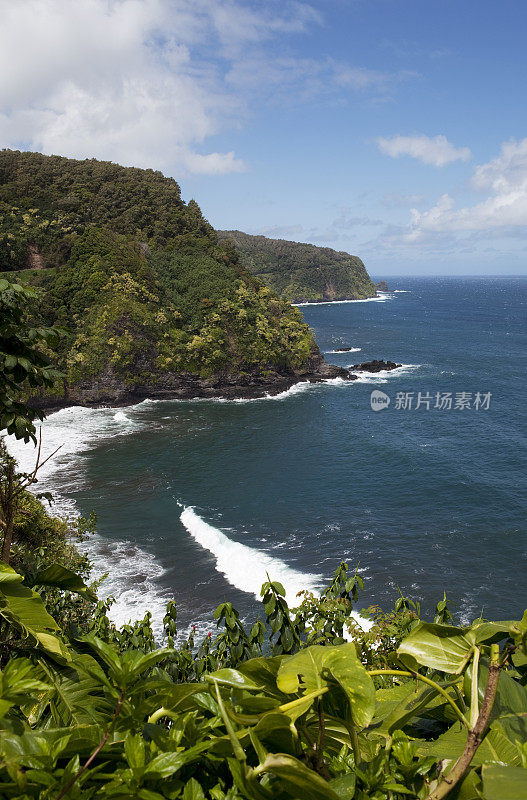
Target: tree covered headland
x=302, y=272
x=138, y=278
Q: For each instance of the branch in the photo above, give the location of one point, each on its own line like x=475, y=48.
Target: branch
x=475, y=736
x=97, y=749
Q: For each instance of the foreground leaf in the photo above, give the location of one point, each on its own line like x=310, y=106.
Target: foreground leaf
x=504, y=783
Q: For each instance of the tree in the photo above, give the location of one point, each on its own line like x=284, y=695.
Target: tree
x=13, y=484
x=23, y=365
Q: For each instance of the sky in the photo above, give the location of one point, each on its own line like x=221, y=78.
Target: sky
x=393, y=129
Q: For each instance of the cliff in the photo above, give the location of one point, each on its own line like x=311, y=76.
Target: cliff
x=155, y=304
x=302, y=272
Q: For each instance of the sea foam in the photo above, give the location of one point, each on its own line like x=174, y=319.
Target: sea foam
x=247, y=568
x=343, y=352
x=133, y=574
x=384, y=375
x=381, y=297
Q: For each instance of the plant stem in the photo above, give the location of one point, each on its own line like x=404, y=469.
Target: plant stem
x=300, y=700
x=474, y=699
x=97, y=749
x=320, y=742
x=236, y=746
x=427, y=680
x=352, y=730
x=475, y=735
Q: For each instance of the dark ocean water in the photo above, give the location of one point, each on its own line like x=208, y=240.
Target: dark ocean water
x=421, y=499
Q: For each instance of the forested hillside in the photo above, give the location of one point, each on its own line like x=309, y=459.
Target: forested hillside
x=153, y=302
x=302, y=272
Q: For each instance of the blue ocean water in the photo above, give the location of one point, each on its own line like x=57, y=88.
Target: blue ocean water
x=197, y=500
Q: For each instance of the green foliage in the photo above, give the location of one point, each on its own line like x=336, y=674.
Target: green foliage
x=301, y=272
x=139, y=278
x=23, y=362
x=23, y=609
x=114, y=715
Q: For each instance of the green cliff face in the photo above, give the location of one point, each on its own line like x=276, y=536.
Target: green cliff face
x=302, y=272
x=139, y=277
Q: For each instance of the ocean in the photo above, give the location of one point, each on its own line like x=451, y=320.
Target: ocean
x=198, y=501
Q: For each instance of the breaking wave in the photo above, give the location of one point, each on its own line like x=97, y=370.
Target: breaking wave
x=247, y=568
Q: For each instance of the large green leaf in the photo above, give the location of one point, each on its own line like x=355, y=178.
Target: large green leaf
x=173, y=696
x=518, y=631
x=166, y=764
x=297, y=779
x=304, y=670
x=415, y=700
x=19, y=682
x=511, y=696
x=348, y=671
x=78, y=697
x=262, y=672
x=501, y=782
x=22, y=607
x=442, y=647
x=344, y=785
x=490, y=631
x=63, y=578
x=494, y=747
x=318, y=667
x=233, y=678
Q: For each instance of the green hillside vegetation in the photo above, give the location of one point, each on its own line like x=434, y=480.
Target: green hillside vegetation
x=302, y=272
x=137, y=276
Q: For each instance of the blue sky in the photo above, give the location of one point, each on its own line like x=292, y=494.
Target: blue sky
x=393, y=129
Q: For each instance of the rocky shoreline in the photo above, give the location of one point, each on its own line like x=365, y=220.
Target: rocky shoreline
x=107, y=390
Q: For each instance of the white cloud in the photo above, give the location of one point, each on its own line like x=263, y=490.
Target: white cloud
x=150, y=82
x=503, y=211
x=437, y=151
x=135, y=81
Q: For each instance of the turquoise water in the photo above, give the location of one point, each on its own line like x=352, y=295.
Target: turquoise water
x=423, y=500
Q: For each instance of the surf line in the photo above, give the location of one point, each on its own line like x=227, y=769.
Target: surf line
x=246, y=568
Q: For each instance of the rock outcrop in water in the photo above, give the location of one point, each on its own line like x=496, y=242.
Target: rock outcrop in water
x=376, y=366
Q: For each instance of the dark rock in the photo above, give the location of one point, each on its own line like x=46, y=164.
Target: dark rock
x=109, y=389
x=382, y=286
x=376, y=366
x=342, y=349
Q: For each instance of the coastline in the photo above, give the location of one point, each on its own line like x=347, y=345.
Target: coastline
x=107, y=391
x=191, y=387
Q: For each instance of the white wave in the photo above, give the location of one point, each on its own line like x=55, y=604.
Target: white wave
x=133, y=579
x=347, y=350
x=296, y=388
x=401, y=291
x=381, y=297
x=385, y=374
x=246, y=568
x=120, y=416
x=133, y=574
x=73, y=430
